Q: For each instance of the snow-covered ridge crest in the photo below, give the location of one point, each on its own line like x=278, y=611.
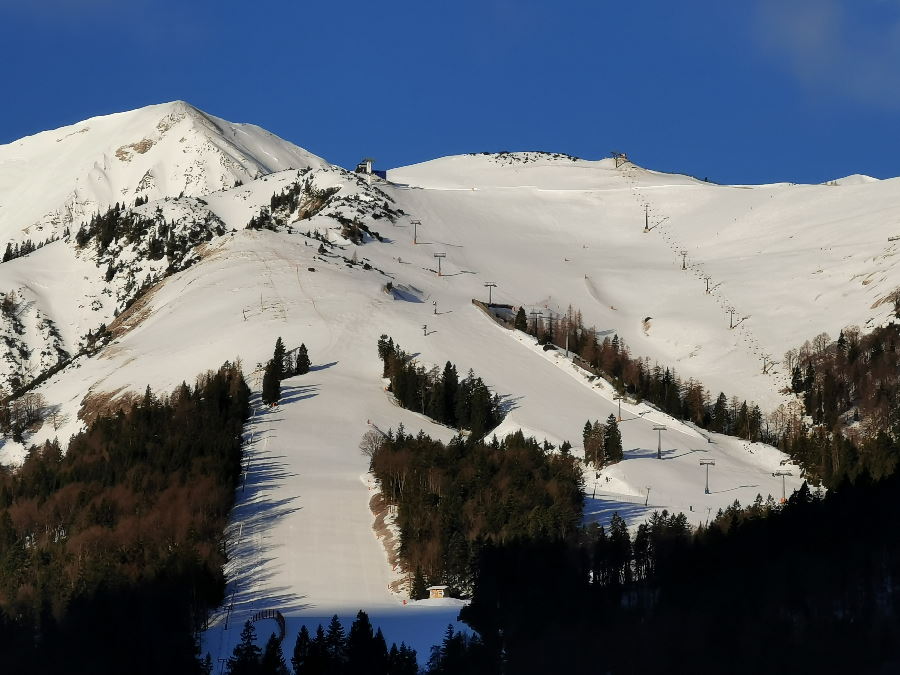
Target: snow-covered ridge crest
x=116, y=256
x=54, y=179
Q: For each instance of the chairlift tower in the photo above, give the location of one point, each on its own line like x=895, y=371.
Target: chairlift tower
x=707, y=463
x=490, y=286
x=660, y=428
x=783, y=474
x=439, y=257
x=619, y=399
x=535, y=315
x=415, y=224
x=620, y=157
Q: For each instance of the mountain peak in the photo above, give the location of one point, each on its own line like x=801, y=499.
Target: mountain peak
x=59, y=178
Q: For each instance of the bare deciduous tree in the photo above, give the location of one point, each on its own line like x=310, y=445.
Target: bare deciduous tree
x=370, y=443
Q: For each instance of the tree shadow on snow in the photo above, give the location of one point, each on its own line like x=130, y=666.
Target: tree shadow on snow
x=686, y=452
x=251, y=564
x=600, y=509
x=323, y=366
x=508, y=403
x=292, y=394
x=665, y=454
x=404, y=295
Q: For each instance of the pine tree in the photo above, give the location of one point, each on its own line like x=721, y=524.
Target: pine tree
x=278, y=359
x=303, y=362
x=386, y=350
x=271, y=387
x=449, y=389
x=612, y=440
x=402, y=661
x=743, y=421
x=521, y=320
x=272, y=662
x=245, y=659
x=335, y=645
x=419, y=590
x=381, y=654
x=594, y=444
x=300, y=657
x=619, y=551
x=317, y=662
x=452, y=656
x=720, y=414
x=362, y=654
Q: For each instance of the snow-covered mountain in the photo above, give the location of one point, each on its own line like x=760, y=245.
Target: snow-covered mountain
x=180, y=284
x=58, y=178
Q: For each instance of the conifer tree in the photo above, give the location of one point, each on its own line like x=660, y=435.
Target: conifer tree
x=317, y=662
x=612, y=440
x=449, y=388
x=419, y=590
x=272, y=662
x=363, y=655
x=278, y=360
x=271, y=387
x=720, y=414
x=381, y=652
x=300, y=656
x=594, y=449
x=521, y=320
x=245, y=659
x=335, y=645
x=619, y=554
x=303, y=362
x=402, y=661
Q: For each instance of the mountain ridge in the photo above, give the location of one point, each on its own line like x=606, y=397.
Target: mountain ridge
x=54, y=179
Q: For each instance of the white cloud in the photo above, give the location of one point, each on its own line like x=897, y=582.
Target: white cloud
x=848, y=48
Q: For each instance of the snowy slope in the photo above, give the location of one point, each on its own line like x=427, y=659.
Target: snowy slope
x=549, y=229
x=792, y=260
x=60, y=177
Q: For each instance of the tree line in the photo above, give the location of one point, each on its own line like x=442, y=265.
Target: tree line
x=331, y=651
x=111, y=554
x=440, y=394
x=848, y=389
x=452, y=498
x=18, y=250
x=611, y=359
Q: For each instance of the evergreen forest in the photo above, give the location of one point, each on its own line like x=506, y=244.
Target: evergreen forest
x=441, y=395
x=111, y=554
x=452, y=499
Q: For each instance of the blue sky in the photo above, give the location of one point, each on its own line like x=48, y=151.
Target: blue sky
x=759, y=91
